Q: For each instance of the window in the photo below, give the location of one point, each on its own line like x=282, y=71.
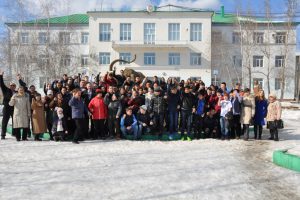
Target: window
x=237, y=61
x=216, y=36
x=104, y=30
x=84, y=60
x=258, y=61
x=236, y=38
x=278, y=83
x=149, y=58
x=279, y=61
x=43, y=38
x=149, y=33
x=21, y=61
x=84, y=38
x=196, y=32
x=280, y=38
x=24, y=38
x=66, y=61
x=258, y=38
x=174, y=58
x=64, y=38
x=43, y=60
x=104, y=58
x=125, y=32
x=260, y=82
x=174, y=32
x=215, y=81
x=125, y=56
x=195, y=59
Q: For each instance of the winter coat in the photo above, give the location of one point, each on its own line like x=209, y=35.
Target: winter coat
x=261, y=109
x=188, y=101
x=38, y=117
x=173, y=101
x=98, y=108
x=248, y=109
x=158, y=104
x=114, y=107
x=128, y=121
x=7, y=93
x=55, y=121
x=79, y=110
x=274, y=111
x=135, y=103
x=148, y=98
x=143, y=118
x=22, y=110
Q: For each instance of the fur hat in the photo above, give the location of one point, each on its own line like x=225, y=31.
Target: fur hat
x=273, y=94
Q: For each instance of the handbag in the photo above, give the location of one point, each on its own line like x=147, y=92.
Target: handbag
x=229, y=115
x=279, y=124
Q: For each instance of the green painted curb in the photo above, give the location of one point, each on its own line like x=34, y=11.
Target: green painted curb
x=286, y=160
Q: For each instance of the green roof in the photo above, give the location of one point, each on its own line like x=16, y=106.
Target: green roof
x=69, y=19
x=227, y=19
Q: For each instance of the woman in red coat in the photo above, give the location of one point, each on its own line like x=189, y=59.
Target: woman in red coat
x=99, y=114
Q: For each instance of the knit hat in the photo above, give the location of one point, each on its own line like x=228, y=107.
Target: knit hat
x=144, y=107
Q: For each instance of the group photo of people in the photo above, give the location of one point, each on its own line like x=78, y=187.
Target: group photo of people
x=114, y=106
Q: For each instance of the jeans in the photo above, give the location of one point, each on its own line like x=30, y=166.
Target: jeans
x=173, y=122
x=158, y=120
x=236, y=127
x=134, y=130
x=186, y=122
x=224, y=126
x=80, y=124
x=7, y=113
x=144, y=130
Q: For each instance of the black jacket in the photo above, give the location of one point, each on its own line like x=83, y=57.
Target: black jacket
x=114, y=107
x=143, y=118
x=7, y=93
x=173, y=101
x=188, y=101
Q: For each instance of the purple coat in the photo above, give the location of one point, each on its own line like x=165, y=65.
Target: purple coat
x=261, y=109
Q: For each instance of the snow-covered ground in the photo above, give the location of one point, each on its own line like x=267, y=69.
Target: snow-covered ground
x=203, y=169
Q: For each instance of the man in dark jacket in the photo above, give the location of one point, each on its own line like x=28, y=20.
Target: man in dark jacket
x=188, y=107
x=87, y=96
x=7, y=109
x=173, y=101
x=158, y=109
x=144, y=121
x=114, y=114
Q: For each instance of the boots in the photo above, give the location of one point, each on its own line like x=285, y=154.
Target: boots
x=37, y=137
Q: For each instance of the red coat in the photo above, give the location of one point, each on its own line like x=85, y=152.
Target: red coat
x=98, y=108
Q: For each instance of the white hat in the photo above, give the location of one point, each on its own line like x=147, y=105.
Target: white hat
x=144, y=107
x=49, y=92
x=273, y=94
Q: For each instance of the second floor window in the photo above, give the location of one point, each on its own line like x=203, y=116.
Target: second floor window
x=66, y=61
x=279, y=61
x=196, y=32
x=84, y=38
x=280, y=38
x=104, y=32
x=195, y=59
x=236, y=38
x=258, y=38
x=84, y=60
x=64, y=38
x=258, y=61
x=24, y=38
x=125, y=32
x=43, y=38
x=174, y=31
x=237, y=61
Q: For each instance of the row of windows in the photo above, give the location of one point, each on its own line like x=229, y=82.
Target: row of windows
x=277, y=81
x=258, y=37
x=150, y=32
x=44, y=38
x=258, y=61
x=150, y=58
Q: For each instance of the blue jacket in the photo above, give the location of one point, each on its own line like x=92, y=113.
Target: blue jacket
x=79, y=109
x=200, y=107
x=261, y=109
x=122, y=123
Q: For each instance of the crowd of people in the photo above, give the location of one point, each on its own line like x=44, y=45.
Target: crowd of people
x=113, y=106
